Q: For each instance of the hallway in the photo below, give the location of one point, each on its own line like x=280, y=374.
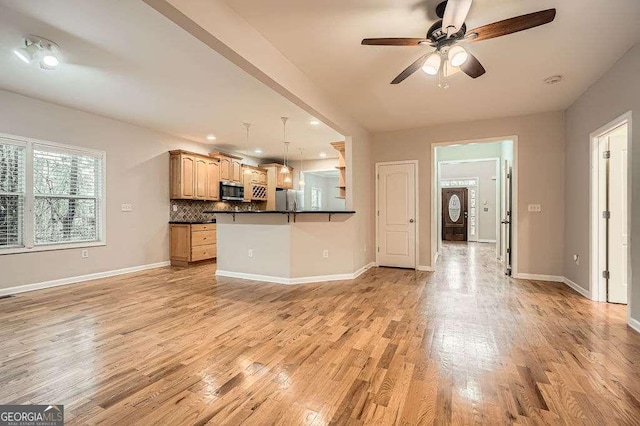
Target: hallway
x=459, y=346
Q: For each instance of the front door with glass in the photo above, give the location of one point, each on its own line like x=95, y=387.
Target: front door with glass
x=454, y=214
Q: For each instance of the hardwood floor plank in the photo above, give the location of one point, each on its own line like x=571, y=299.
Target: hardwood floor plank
x=463, y=345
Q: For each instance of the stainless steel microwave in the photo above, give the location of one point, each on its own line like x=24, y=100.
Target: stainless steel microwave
x=231, y=191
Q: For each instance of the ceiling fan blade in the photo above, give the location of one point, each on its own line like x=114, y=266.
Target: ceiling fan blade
x=396, y=41
x=454, y=15
x=411, y=69
x=512, y=25
x=472, y=67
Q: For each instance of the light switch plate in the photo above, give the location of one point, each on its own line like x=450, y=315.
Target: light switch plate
x=126, y=207
x=535, y=208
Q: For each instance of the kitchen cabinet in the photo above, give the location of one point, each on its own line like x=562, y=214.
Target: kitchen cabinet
x=193, y=176
x=213, y=176
x=201, y=179
x=276, y=180
x=192, y=243
x=255, y=183
x=230, y=166
x=279, y=179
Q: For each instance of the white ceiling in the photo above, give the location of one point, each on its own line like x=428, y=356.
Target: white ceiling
x=124, y=60
x=323, y=39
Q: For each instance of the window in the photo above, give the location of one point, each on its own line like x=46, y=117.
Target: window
x=51, y=196
x=12, y=194
x=316, y=198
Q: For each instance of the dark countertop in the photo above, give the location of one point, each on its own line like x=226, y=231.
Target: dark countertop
x=191, y=222
x=281, y=212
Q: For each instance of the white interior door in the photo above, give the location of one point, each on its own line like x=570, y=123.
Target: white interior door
x=396, y=215
x=618, y=235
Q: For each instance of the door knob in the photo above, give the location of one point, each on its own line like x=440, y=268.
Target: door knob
x=410, y=220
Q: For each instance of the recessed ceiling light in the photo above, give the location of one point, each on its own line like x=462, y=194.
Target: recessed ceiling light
x=211, y=138
x=314, y=122
x=257, y=151
x=554, y=79
x=323, y=154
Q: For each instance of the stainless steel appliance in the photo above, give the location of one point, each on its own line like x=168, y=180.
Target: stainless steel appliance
x=231, y=191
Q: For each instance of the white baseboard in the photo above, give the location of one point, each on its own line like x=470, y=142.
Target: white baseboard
x=80, y=278
x=577, y=288
x=555, y=279
x=539, y=277
x=486, y=241
x=293, y=281
x=425, y=268
x=364, y=269
x=634, y=324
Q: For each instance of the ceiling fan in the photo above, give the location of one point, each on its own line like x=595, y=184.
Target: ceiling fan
x=450, y=32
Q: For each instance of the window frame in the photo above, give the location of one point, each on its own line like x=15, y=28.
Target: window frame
x=318, y=197
x=28, y=218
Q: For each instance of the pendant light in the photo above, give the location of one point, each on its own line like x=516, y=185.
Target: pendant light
x=301, y=182
x=285, y=167
x=247, y=171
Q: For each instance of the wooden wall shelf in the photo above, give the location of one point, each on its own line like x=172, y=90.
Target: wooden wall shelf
x=342, y=168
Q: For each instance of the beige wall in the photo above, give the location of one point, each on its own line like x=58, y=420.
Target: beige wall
x=616, y=93
x=137, y=173
x=540, y=158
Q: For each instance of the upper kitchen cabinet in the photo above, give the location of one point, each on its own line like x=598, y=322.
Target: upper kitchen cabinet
x=194, y=176
x=230, y=167
x=278, y=179
x=255, y=183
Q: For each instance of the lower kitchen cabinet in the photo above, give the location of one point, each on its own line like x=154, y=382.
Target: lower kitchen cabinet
x=192, y=243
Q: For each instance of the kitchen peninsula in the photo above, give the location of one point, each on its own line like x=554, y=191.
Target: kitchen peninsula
x=286, y=247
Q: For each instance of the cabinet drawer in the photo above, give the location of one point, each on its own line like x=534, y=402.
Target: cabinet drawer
x=204, y=252
x=201, y=238
x=204, y=227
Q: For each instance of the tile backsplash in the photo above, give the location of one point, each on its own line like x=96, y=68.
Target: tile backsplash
x=193, y=210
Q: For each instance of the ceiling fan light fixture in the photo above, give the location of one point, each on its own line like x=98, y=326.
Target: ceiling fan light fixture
x=457, y=56
x=432, y=64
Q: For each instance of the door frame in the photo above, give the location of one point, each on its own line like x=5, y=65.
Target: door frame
x=514, y=199
x=417, y=207
x=498, y=177
x=477, y=187
x=597, y=284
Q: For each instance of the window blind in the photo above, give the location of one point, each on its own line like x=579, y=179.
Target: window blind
x=12, y=193
x=67, y=187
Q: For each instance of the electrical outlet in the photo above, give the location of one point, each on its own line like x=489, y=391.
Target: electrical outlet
x=126, y=207
x=576, y=259
x=325, y=254
x=250, y=253
x=535, y=208
x=85, y=254
x=175, y=207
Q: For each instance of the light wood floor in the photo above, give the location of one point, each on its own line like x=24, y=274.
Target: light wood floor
x=463, y=345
